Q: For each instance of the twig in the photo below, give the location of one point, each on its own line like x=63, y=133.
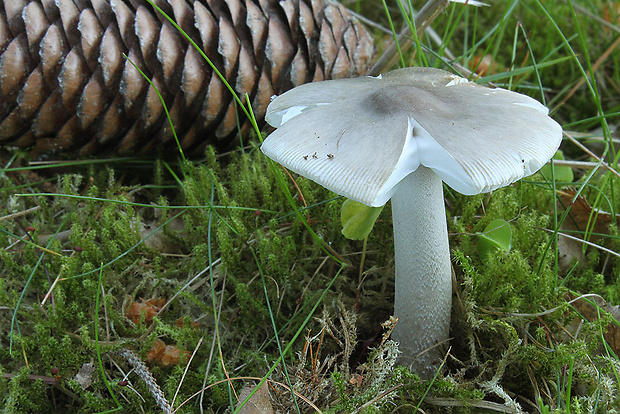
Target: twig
x=430, y=32
x=202, y=272
x=586, y=242
x=424, y=17
x=185, y=371
x=20, y=213
x=214, y=341
x=377, y=398
x=305, y=399
x=547, y=312
x=598, y=19
x=595, y=67
x=588, y=165
x=485, y=405
x=43, y=378
x=590, y=153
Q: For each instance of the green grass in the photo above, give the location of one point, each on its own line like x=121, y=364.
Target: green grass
x=260, y=283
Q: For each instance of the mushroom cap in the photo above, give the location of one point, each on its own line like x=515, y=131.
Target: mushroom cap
x=360, y=137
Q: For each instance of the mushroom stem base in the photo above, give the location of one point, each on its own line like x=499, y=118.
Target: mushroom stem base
x=423, y=272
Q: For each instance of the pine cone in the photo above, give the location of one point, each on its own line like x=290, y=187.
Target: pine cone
x=66, y=87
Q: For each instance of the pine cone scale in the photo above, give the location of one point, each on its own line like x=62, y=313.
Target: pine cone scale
x=91, y=34
x=33, y=94
x=258, y=29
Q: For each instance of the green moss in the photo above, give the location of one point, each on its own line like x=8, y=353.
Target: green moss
x=513, y=330
x=296, y=271
x=18, y=400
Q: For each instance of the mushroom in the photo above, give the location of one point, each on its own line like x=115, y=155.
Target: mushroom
x=399, y=136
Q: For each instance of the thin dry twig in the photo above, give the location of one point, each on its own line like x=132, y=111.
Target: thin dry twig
x=185, y=371
x=199, y=275
x=589, y=243
x=214, y=341
x=301, y=195
x=377, y=398
x=425, y=16
x=596, y=17
x=20, y=213
x=547, y=312
x=595, y=66
x=271, y=382
x=485, y=405
x=585, y=149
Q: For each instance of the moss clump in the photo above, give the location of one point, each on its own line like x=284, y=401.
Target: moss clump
x=264, y=255
x=245, y=276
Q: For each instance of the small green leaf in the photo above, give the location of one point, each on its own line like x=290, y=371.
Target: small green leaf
x=562, y=174
x=358, y=219
x=496, y=236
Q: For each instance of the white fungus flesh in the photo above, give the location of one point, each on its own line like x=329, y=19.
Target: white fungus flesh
x=360, y=137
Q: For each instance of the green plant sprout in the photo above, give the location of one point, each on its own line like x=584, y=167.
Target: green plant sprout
x=496, y=237
x=358, y=219
x=562, y=174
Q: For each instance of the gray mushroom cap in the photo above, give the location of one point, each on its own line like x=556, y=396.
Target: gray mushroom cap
x=360, y=137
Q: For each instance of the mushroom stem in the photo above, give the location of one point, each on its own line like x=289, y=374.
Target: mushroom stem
x=423, y=271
